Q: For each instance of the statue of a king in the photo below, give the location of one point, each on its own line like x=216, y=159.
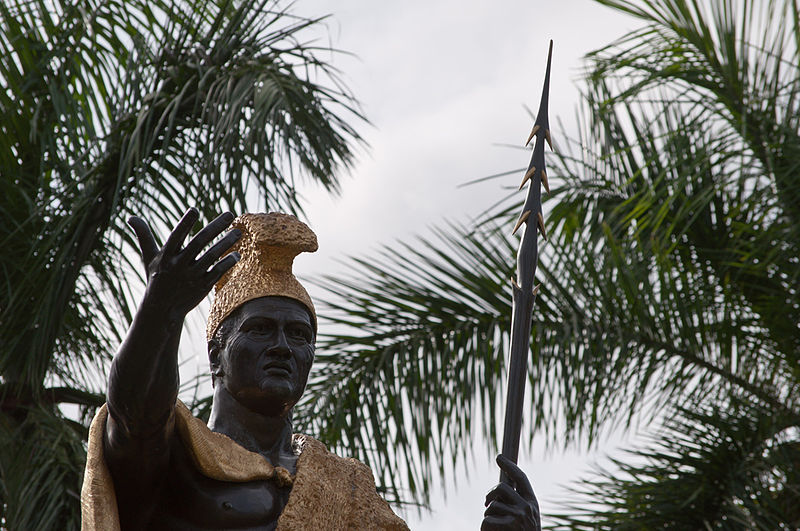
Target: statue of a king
x=152, y=465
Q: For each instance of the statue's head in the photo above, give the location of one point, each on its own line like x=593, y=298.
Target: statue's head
x=262, y=324
x=261, y=354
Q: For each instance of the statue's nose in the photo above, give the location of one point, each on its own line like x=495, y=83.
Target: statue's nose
x=281, y=345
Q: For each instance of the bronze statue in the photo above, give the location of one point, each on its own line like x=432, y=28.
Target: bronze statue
x=151, y=465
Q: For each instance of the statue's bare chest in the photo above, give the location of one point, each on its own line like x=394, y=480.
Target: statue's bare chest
x=192, y=501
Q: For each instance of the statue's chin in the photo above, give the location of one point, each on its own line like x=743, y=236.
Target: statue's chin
x=271, y=400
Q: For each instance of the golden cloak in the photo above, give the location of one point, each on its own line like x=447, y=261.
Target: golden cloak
x=329, y=492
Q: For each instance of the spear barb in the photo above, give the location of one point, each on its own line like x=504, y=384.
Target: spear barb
x=523, y=290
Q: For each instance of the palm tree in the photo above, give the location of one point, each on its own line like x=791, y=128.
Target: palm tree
x=115, y=107
x=669, y=290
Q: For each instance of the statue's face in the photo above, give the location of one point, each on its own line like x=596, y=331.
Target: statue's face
x=265, y=359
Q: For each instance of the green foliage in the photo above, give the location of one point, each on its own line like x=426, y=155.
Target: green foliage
x=705, y=469
x=111, y=108
x=42, y=468
x=669, y=287
x=378, y=392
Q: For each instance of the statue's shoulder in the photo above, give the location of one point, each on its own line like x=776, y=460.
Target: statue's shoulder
x=315, y=454
x=347, y=486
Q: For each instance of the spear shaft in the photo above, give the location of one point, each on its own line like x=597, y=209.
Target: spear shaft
x=524, y=292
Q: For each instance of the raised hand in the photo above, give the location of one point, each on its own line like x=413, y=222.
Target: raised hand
x=510, y=507
x=177, y=279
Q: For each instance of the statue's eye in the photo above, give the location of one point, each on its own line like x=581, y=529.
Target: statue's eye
x=299, y=333
x=256, y=328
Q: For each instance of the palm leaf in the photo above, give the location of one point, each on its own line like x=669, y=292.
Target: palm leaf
x=40, y=487
x=110, y=108
x=711, y=468
x=670, y=280
x=378, y=372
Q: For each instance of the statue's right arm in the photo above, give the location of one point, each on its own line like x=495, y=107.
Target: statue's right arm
x=143, y=381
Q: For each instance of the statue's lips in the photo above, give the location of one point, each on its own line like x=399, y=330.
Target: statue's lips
x=277, y=369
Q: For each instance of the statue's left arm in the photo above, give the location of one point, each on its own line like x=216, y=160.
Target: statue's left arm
x=510, y=507
x=143, y=380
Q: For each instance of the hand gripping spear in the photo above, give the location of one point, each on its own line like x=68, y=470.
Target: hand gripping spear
x=524, y=293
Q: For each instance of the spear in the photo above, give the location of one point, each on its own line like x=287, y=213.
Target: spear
x=524, y=292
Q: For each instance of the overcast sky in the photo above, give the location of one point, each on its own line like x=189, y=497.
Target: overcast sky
x=443, y=82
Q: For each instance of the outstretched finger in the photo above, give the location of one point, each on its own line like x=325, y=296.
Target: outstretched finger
x=208, y=233
x=517, y=476
x=221, y=268
x=218, y=249
x=180, y=231
x=147, y=242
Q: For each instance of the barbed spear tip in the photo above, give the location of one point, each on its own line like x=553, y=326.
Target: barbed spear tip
x=527, y=176
x=544, y=182
x=522, y=302
x=542, y=118
x=540, y=222
x=536, y=128
x=522, y=219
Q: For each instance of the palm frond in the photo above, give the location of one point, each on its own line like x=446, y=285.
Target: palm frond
x=378, y=390
x=117, y=107
x=211, y=103
x=670, y=279
x=732, y=467
x=40, y=481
